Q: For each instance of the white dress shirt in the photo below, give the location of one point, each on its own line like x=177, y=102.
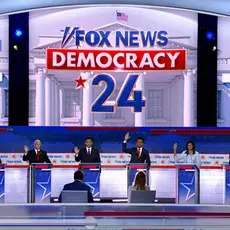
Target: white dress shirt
x=188, y=159
x=89, y=150
x=141, y=148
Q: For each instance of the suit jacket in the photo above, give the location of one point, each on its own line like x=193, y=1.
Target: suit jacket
x=78, y=186
x=32, y=158
x=0, y=161
x=144, y=158
x=83, y=156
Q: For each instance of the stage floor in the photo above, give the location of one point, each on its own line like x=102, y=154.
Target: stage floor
x=116, y=215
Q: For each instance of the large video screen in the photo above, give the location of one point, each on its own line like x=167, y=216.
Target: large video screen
x=4, y=70
x=223, y=67
x=113, y=66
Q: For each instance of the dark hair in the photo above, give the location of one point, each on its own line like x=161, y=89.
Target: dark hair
x=79, y=175
x=194, y=146
x=88, y=138
x=140, y=138
x=140, y=180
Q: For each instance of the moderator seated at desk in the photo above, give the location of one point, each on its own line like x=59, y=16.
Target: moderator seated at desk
x=138, y=184
x=78, y=185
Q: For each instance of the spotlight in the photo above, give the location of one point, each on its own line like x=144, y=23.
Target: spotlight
x=210, y=35
x=15, y=47
x=18, y=33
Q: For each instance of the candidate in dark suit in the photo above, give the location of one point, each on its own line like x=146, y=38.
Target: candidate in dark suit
x=89, y=154
x=78, y=185
x=35, y=155
x=138, y=154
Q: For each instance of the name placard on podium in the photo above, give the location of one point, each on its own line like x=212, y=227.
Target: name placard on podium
x=39, y=183
x=133, y=168
x=2, y=183
x=92, y=173
x=188, y=184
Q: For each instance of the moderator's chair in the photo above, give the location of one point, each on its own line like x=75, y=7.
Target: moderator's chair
x=144, y=197
x=74, y=197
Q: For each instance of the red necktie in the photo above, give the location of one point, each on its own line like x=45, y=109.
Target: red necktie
x=38, y=155
x=139, y=152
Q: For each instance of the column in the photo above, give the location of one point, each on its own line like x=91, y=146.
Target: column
x=2, y=106
x=57, y=106
x=87, y=101
x=140, y=117
x=48, y=99
x=53, y=101
x=40, y=98
x=62, y=108
x=188, y=99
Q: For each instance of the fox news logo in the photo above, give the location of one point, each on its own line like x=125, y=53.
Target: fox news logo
x=137, y=54
x=100, y=38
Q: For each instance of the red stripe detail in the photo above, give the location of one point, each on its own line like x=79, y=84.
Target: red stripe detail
x=157, y=214
x=101, y=129
x=137, y=167
x=41, y=166
x=192, y=131
x=89, y=166
x=185, y=167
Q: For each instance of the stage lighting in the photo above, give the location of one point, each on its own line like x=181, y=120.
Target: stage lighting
x=15, y=47
x=18, y=33
x=210, y=35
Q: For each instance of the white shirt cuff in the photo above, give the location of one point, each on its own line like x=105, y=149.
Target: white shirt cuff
x=124, y=141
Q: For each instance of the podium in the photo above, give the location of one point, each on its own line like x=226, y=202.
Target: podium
x=2, y=183
x=187, y=184
x=92, y=173
x=226, y=193
x=39, y=183
x=133, y=168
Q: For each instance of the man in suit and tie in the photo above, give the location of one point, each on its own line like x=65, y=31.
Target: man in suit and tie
x=89, y=154
x=35, y=155
x=138, y=154
x=78, y=185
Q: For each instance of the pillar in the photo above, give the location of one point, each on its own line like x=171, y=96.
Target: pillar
x=188, y=99
x=48, y=100
x=140, y=117
x=57, y=106
x=53, y=101
x=62, y=108
x=40, y=98
x=87, y=101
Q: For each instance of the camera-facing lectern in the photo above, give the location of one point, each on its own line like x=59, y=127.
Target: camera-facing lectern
x=133, y=168
x=2, y=183
x=92, y=173
x=188, y=184
x=39, y=183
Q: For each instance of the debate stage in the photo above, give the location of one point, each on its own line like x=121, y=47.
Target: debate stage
x=116, y=215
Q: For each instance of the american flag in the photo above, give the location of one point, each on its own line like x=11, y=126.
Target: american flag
x=122, y=16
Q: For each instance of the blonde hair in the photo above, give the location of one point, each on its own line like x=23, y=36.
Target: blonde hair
x=140, y=181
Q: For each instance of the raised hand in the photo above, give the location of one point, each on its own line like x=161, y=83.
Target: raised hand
x=26, y=148
x=127, y=136
x=76, y=150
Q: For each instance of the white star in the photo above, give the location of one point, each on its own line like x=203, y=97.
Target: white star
x=1, y=184
x=45, y=188
x=92, y=183
x=185, y=185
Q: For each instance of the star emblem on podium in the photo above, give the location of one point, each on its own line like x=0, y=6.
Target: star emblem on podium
x=190, y=188
x=45, y=186
x=2, y=193
x=90, y=184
